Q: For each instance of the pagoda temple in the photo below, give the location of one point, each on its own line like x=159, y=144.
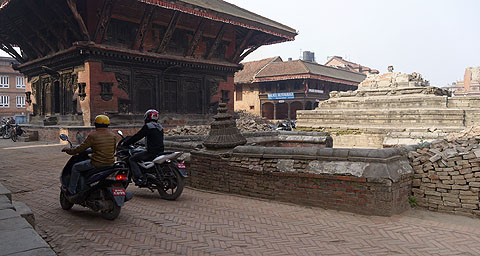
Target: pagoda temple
x=122, y=57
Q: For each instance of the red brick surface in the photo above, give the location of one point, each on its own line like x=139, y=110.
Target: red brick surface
x=201, y=223
x=346, y=193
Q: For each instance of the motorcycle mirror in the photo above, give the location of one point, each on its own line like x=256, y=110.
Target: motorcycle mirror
x=120, y=133
x=63, y=137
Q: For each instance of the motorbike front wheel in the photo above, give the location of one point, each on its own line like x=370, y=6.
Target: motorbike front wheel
x=13, y=135
x=113, y=213
x=171, y=187
x=66, y=205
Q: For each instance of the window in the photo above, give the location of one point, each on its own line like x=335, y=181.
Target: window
x=4, y=82
x=20, y=82
x=238, y=93
x=20, y=101
x=252, y=107
x=4, y=101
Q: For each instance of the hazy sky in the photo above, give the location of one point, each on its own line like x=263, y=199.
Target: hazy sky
x=438, y=39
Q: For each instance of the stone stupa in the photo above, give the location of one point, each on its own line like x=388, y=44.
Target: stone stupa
x=223, y=132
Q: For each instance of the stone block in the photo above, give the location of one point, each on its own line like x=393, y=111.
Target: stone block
x=30, y=242
x=5, y=192
x=474, y=184
x=460, y=187
x=452, y=204
x=458, y=177
x=5, y=203
x=23, y=210
x=470, y=206
x=460, y=182
x=465, y=171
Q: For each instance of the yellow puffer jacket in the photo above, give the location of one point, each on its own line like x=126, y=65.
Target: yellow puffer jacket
x=103, y=143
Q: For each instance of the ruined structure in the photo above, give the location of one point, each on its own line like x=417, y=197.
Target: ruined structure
x=122, y=57
x=470, y=85
x=392, y=109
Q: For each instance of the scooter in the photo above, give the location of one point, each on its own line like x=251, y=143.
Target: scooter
x=101, y=189
x=164, y=173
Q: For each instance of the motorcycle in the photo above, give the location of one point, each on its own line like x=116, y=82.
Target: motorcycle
x=101, y=189
x=16, y=131
x=5, y=130
x=164, y=173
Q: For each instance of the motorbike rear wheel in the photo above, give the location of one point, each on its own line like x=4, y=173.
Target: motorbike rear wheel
x=66, y=205
x=112, y=214
x=6, y=134
x=171, y=187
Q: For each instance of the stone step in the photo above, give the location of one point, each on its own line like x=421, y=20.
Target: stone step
x=23, y=210
x=5, y=192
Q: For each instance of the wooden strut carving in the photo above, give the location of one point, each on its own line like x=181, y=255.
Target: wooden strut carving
x=169, y=32
x=241, y=57
x=40, y=35
x=142, y=28
x=34, y=8
x=242, y=45
x=24, y=38
x=217, y=41
x=123, y=82
x=9, y=49
x=72, y=4
x=196, y=39
x=67, y=20
x=103, y=21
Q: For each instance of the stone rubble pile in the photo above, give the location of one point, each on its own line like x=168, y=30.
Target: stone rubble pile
x=246, y=122
x=471, y=131
x=447, y=175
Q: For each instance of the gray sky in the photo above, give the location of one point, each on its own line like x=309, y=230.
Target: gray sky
x=438, y=39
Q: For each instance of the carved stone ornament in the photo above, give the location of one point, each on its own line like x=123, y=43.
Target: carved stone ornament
x=106, y=92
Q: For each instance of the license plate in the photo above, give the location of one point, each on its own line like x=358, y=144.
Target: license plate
x=118, y=191
x=181, y=165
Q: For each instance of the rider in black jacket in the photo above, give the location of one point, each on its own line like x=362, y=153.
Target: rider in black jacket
x=153, y=133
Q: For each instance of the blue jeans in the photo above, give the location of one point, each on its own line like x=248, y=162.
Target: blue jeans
x=78, y=168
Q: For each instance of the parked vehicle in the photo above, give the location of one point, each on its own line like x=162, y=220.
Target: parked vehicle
x=164, y=173
x=16, y=131
x=285, y=125
x=5, y=130
x=101, y=189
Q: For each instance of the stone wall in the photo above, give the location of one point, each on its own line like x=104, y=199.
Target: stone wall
x=447, y=176
x=366, y=181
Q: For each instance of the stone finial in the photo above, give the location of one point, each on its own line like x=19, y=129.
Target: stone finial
x=390, y=68
x=223, y=132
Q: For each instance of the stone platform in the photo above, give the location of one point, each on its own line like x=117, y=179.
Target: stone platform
x=393, y=104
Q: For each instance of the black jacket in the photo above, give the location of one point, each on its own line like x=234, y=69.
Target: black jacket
x=154, y=137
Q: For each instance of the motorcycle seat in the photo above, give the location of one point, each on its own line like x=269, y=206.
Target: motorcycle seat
x=164, y=157
x=97, y=170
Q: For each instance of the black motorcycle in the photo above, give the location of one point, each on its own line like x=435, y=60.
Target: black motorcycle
x=164, y=173
x=16, y=131
x=101, y=189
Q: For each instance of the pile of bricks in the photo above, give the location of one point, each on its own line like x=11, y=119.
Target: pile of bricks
x=246, y=122
x=447, y=175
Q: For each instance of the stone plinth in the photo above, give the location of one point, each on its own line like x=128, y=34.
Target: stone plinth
x=394, y=102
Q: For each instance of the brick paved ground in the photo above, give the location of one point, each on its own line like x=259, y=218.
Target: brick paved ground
x=203, y=223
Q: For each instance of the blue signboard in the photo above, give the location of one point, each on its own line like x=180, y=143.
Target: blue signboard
x=281, y=96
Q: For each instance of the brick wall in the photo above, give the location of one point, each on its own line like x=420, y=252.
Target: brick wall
x=373, y=182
